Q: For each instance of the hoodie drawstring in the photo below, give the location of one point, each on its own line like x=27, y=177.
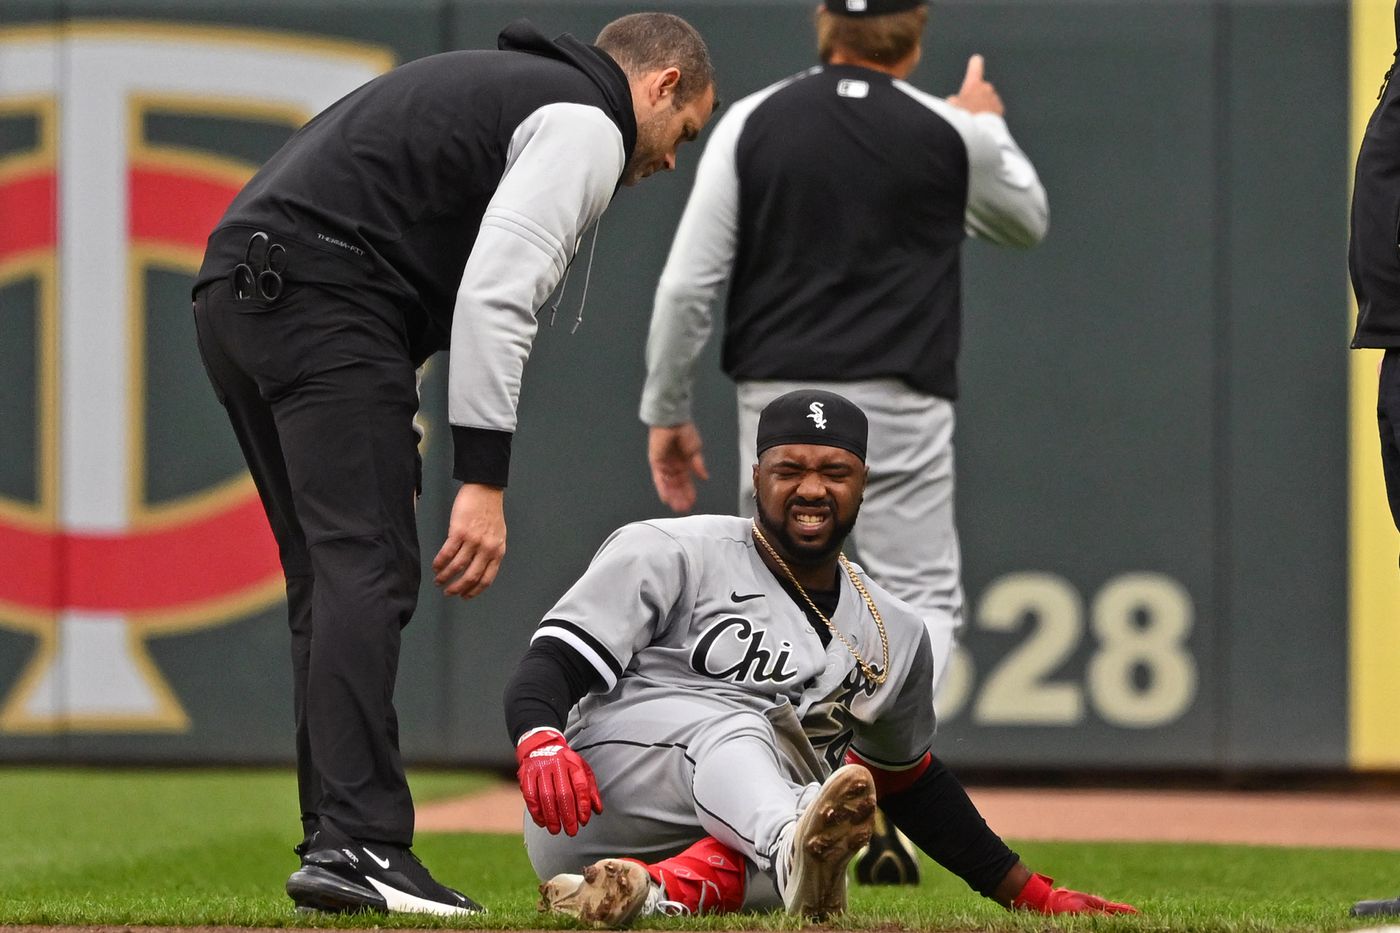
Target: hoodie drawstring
x=559, y=295
x=587, y=277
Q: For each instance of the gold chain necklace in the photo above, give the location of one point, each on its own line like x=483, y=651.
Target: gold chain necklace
x=876, y=679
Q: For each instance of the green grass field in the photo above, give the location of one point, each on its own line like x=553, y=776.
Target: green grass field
x=152, y=847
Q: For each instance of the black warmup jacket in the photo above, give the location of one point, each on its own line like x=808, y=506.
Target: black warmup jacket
x=867, y=280
x=1374, y=255
x=835, y=204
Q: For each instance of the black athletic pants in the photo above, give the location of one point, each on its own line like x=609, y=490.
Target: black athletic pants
x=1388, y=413
x=320, y=389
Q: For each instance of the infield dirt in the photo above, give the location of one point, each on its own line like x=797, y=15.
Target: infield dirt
x=1362, y=819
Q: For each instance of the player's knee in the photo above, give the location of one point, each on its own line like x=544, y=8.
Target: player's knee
x=551, y=855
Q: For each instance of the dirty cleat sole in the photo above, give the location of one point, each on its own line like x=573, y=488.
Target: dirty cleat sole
x=610, y=893
x=830, y=831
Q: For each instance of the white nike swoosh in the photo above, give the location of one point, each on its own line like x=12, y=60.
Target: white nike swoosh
x=381, y=862
x=401, y=902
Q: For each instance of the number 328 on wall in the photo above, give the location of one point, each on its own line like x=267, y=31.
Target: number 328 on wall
x=1139, y=674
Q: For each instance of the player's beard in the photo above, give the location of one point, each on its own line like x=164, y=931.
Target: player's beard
x=801, y=553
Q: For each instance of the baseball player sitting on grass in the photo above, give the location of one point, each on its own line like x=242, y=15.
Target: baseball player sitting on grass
x=719, y=672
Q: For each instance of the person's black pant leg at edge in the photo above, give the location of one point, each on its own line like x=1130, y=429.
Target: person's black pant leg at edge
x=321, y=392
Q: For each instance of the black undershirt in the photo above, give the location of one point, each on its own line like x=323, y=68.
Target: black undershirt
x=938, y=817
x=550, y=679
x=825, y=600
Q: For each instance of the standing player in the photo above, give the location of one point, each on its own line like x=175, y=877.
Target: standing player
x=434, y=207
x=723, y=669
x=1375, y=277
x=835, y=204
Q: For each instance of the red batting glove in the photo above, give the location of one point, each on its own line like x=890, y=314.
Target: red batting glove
x=1039, y=896
x=557, y=784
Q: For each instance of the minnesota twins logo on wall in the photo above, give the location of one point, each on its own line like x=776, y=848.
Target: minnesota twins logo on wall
x=106, y=540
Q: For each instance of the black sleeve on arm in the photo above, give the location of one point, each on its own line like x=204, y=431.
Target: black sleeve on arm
x=480, y=455
x=549, y=680
x=937, y=815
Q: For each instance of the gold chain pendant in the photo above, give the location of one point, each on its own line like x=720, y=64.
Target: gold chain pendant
x=865, y=668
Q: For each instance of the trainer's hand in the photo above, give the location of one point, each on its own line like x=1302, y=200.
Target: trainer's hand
x=1038, y=895
x=476, y=541
x=557, y=784
x=674, y=454
x=977, y=95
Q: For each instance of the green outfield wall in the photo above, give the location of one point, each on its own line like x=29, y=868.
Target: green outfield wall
x=1169, y=523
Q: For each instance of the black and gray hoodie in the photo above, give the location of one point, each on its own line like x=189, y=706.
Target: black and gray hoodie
x=463, y=183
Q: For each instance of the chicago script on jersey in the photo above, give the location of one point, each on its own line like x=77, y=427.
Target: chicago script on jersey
x=726, y=639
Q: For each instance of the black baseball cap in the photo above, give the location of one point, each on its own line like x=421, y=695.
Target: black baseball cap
x=813, y=416
x=870, y=7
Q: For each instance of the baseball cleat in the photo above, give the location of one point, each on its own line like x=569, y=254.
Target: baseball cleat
x=812, y=870
x=889, y=859
x=341, y=875
x=610, y=893
x=1376, y=908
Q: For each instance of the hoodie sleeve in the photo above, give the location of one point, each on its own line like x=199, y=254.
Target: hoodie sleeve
x=1006, y=202
x=562, y=168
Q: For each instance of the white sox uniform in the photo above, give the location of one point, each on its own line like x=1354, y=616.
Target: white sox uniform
x=722, y=706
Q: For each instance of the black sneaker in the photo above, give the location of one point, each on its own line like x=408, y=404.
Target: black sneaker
x=303, y=847
x=888, y=859
x=341, y=875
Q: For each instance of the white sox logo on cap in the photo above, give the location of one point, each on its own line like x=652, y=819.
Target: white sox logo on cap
x=801, y=417
x=870, y=7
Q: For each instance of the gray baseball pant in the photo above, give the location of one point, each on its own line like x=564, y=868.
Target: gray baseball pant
x=677, y=772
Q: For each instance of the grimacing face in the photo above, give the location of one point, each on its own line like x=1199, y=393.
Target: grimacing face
x=662, y=133
x=808, y=497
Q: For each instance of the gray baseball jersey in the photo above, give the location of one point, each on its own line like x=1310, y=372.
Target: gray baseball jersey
x=710, y=666
x=687, y=605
